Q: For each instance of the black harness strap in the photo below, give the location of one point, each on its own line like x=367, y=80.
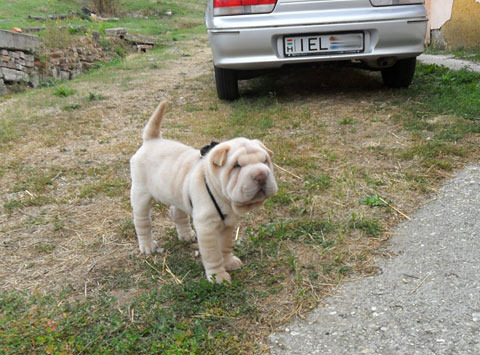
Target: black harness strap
x=222, y=216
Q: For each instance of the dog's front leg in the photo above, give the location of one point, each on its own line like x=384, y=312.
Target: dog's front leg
x=230, y=261
x=209, y=244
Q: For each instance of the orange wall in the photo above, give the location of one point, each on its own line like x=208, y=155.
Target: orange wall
x=463, y=29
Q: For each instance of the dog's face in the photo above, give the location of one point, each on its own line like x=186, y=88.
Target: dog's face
x=244, y=172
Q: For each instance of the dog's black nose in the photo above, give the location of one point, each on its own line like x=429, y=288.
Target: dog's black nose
x=261, y=178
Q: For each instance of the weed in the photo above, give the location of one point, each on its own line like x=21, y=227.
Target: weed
x=12, y=205
x=71, y=107
x=127, y=229
x=370, y=227
x=320, y=182
x=45, y=248
x=63, y=92
x=120, y=51
x=373, y=201
x=48, y=83
x=347, y=121
x=192, y=108
x=95, y=97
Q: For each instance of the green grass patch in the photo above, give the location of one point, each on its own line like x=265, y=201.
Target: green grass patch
x=369, y=226
x=71, y=107
x=347, y=121
x=95, y=97
x=442, y=91
x=43, y=324
x=373, y=201
x=320, y=182
x=8, y=130
x=63, y=92
x=462, y=53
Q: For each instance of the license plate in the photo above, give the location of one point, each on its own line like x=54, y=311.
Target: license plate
x=323, y=43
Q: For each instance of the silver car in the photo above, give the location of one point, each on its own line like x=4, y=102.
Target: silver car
x=248, y=36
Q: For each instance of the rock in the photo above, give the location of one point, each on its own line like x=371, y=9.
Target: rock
x=3, y=89
x=13, y=75
x=119, y=32
x=64, y=75
x=96, y=35
x=437, y=40
x=18, y=41
x=34, y=79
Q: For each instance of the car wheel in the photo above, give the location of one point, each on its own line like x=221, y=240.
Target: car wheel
x=400, y=75
x=226, y=81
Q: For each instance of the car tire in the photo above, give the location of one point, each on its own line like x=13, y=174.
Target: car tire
x=400, y=75
x=226, y=81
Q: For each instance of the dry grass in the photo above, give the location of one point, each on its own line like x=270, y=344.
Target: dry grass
x=65, y=181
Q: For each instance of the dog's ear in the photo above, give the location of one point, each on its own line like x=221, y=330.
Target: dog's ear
x=218, y=155
x=263, y=146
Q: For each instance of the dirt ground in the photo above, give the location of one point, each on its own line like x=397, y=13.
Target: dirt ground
x=70, y=239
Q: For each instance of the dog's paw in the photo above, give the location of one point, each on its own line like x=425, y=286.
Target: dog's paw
x=232, y=263
x=219, y=277
x=189, y=236
x=150, y=247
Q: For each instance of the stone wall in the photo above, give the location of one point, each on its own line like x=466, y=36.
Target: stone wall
x=65, y=64
x=17, y=59
x=24, y=61
x=17, y=66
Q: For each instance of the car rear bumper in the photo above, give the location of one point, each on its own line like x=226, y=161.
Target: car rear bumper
x=250, y=48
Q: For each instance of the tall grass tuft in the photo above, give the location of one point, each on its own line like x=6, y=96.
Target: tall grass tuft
x=106, y=7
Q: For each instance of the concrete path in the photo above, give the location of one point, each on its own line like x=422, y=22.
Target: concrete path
x=426, y=300
x=449, y=61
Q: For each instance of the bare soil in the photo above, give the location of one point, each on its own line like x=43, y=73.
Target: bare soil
x=71, y=239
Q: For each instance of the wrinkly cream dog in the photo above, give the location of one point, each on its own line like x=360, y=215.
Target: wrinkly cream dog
x=214, y=187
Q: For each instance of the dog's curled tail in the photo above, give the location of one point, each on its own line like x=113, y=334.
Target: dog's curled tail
x=152, y=129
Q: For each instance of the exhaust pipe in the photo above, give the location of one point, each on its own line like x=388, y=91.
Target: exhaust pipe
x=385, y=62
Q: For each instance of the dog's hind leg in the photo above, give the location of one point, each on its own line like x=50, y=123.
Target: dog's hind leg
x=141, y=203
x=182, y=224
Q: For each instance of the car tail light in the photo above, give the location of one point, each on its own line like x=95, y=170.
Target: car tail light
x=242, y=7
x=395, y=2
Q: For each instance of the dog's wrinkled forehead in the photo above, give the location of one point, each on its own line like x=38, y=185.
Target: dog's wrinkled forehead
x=251, y=158
x=248, y=152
